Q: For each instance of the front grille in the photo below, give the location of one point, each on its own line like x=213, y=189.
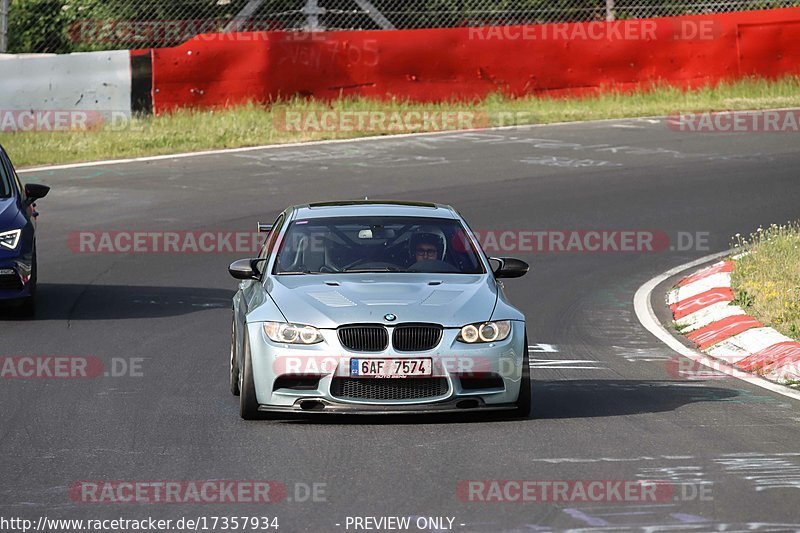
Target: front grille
x=416, y=338
x=388, y=388
x=10, y=282
x=364, y=338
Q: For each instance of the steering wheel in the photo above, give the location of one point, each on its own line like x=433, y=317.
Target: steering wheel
x=433, y=266
x=374, y=264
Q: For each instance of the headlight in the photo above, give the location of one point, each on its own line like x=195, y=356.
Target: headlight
x=485, y=332
x=10, y=239
x=292, y=333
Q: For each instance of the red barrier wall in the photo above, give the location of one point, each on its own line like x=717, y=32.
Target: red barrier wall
x=465, y=63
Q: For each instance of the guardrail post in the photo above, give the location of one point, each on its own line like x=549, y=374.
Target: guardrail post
x=610, y=17
x=3, y=26
x=375, y=14
x=312, y=11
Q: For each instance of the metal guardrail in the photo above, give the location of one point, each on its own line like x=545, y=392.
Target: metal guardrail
x=3, y=26
x=78, y=25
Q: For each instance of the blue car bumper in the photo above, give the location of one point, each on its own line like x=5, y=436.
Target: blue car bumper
x=15, y=276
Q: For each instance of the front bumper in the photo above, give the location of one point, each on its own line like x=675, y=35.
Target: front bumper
x=455, y=362
x=15, y=273
x=326, y=406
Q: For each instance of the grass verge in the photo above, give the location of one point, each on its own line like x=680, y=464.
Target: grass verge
x=254, y=125
x=766, y=281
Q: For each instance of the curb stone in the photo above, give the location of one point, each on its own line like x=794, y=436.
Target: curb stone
x=702, y=309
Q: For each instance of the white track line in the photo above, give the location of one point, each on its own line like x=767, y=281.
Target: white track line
x=183, y=155
x=645, y=314
x=651, y=120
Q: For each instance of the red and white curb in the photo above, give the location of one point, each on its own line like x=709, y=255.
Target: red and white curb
x=702, y=308
x=643, y=306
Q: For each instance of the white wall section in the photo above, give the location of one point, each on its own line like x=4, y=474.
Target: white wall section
x=95, y=82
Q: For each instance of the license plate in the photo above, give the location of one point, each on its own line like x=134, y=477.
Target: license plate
x=390, y=368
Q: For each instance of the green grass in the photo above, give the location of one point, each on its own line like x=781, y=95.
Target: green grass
x=766, y=281
x=253, y=125
x=679, y=328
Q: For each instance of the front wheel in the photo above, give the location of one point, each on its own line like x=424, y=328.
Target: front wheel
x=234, y=374
x=248, y=404
x=523, y=404
x=28, y=307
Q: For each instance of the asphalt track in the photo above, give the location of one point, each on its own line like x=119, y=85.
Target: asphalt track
x=618, y=414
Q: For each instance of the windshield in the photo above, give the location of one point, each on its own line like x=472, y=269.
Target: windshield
x=377, y=244
x=5, y=184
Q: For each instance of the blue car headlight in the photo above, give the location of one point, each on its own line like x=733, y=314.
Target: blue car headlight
x=485, y=332
x=292, y=333
x=10, y=239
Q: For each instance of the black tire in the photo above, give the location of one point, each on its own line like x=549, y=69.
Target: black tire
x=234, y=368
x=248, y=404
x=28, y=307
x=523, y=404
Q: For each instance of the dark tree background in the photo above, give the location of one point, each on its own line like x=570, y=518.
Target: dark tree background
x=61, y=26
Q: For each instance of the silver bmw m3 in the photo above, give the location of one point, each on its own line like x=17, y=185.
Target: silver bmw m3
x=374, y=308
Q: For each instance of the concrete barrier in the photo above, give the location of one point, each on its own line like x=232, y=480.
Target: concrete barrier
x=465, y=63
x=42, y=91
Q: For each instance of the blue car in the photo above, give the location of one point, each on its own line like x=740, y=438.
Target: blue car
x=18, y=237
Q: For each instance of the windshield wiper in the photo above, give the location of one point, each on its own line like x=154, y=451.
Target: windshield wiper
x=375, y=269
x=298, y=273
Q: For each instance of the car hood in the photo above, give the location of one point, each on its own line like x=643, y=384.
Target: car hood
x=8, y=213
x=452, y=300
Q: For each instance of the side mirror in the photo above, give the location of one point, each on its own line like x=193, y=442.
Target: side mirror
x=35, y=191
x=244, y=269
x=510, y=267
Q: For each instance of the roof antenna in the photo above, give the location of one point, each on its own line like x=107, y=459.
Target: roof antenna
x=366, y=198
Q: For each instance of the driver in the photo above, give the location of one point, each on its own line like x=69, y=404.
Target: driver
x=426, y=247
